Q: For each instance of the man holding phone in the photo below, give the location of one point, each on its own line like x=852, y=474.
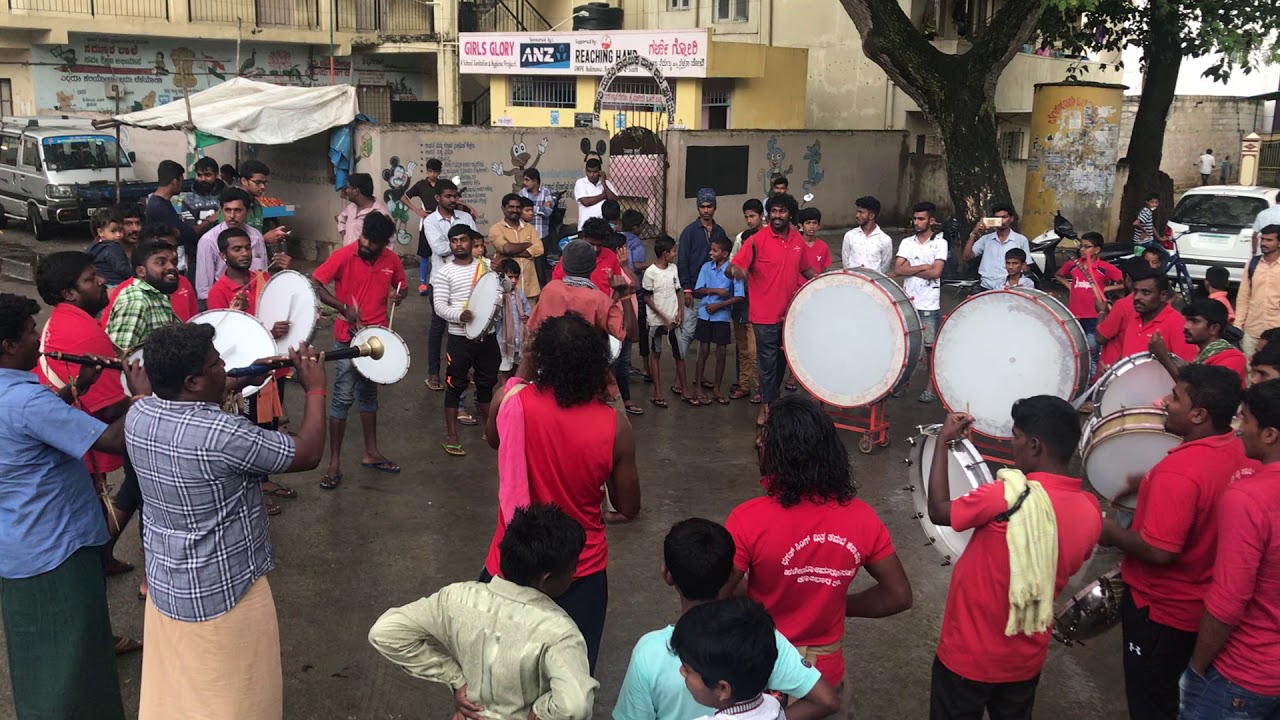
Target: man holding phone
x=999, y=238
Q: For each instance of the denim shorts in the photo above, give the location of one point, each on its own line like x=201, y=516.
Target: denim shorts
x=350, y=387
x=1214, y=696
x=929, y=321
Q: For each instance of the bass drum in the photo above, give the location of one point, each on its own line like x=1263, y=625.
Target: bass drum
x=966, y=471
x=1124, y=443
x=1138, y=380
x=240, y=339
x=851, y=337
x=1001, y=346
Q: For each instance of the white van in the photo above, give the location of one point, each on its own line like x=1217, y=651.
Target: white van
x=57, y=171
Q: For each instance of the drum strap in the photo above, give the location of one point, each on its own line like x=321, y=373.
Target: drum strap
x=1017, y=505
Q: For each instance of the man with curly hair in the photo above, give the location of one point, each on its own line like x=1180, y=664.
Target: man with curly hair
x=558, y=443
x=803, y=581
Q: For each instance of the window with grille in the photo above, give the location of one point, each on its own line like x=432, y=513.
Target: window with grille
x=554, y=91
x=6, y=98
x=1011, y=145
x=679, y=4
x=638, y=94
x=731, y=10
x=716, y=96
x=375, y=101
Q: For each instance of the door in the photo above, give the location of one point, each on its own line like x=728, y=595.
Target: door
x=9, y=192
x=30, y=173
x=638, y=171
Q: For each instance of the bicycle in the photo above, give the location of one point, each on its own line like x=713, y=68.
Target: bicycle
x=1171, y=262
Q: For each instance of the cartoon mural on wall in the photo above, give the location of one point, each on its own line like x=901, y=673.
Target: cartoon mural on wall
x=399, y=179
x=813, y=153
x=520, y=157
x=775, y=155
x=74, y=76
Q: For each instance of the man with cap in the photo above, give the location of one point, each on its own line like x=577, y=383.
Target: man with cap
x=1206, y=319
x=692, y=250
x=606, y=267
x=359, y=193
x=576, y=292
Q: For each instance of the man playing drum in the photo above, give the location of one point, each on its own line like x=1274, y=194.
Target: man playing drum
x=770, y=262
x=1150, y=313
x=978, y=666
x=1169, y=549
x=365, y=275
x=1206, y=319
x=452, y=290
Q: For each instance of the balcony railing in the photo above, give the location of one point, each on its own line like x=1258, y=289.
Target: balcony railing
x=259, y=13
x=500, y=16
x=390, y=17
x=158, y=9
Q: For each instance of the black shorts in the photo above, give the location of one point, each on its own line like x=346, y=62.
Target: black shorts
x=716, y=333
x=467, y=357
x=657, y=332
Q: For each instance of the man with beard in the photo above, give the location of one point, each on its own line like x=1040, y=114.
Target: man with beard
x=365, y=275
x=1149, y=313
x=1206, y=319
x=513, y=238
x=436, y=227
x=144, y=305
x=202, y=202
x=235, y=210
x=771, y=261
x=131, y=214
x=183, y=300
x=1169, y=549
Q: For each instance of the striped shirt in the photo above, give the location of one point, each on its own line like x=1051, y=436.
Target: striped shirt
x=543, y=205
x=200, y=471
x=452, y=289
x=1145, y=232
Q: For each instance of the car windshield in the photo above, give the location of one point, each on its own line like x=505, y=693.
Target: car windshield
x=83, y=152
x=1218, y=210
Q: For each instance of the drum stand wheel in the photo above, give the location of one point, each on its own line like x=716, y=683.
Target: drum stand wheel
x=873, y=427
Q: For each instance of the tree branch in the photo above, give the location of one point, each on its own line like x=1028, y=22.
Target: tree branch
x=898, y=47
x=1000, y=40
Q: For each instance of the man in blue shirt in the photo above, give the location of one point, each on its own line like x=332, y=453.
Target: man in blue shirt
x=697, y=560
x=717, y=293
x=52, y=592
x=691, y=252
x=992, y=246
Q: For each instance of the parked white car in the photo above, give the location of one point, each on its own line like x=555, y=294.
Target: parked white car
x=1213, y=225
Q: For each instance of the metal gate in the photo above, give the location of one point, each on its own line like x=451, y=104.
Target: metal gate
x=1269, y=162
x=638, y=171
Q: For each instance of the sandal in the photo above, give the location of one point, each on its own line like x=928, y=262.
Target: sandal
x=465, y=418
x=658, y=402
x=454, y=449
x=738, y=393
x=707, y=385
x=123, y=645
x=633, y=409
x=756, y=399
x=385, y=466
x=117, y=567
x=677, y=390
x=693, y=401
x=434, y=385
x=273, y=509
x=279, y=491
x=791, y=387
x=722, y=400
x=330, y=482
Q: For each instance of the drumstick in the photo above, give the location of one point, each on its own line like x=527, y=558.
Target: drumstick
x=392, y=318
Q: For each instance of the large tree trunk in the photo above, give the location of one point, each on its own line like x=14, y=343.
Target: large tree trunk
x=1162, y=56
x=975, y=171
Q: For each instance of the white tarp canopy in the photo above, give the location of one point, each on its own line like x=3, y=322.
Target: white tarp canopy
x=252, y=112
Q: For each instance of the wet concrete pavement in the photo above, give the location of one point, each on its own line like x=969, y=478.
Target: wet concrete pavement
x=343, y=557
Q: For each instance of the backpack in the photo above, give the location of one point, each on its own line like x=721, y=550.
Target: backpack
x=1253, y=265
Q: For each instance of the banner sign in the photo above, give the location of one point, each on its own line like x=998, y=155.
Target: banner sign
x=678, y=53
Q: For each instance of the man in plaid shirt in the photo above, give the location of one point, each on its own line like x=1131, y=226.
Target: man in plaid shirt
x=213, y=643
x=144, y=305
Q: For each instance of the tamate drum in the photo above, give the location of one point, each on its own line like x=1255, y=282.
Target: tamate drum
x=124, y=376
x=966, y=471
x=851, y=337
x=485, y=304
x=1001, y=346
x=1127, y=442
x=1138, y=380
x=394, y=363
x=239, y=339
x=288, y=295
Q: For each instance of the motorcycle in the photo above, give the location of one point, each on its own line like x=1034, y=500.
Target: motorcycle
x=1044, y=249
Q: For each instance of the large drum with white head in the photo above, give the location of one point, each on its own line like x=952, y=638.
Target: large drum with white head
x=1136, y=381
x=485, y=305
x=289, y=297
x=240, y=340
x=394, y=363
x=851, y=337
x=1000, y=346
x=966, y=472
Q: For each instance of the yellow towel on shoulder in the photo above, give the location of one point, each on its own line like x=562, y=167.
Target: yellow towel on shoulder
x=1032, y=535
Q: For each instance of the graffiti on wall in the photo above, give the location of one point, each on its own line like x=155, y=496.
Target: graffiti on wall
x=520, y=160
x=155, y=71
x=399, y=179
x=813, y=154
x=1079, y=156
x=775, y=156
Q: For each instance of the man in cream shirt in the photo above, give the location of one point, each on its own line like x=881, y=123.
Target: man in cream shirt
x=867, y=246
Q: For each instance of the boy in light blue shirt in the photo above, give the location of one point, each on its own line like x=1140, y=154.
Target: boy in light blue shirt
x=717, y=293
x=697, y=561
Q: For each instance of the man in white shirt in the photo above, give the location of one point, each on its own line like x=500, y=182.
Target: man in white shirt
x=993, y=245
x=1270, y=216
x=921, y=259
x=435, y=227
x=1207, y=163
x=867, y=246
x=592, y=190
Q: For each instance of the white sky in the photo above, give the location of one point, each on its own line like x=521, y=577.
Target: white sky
x=1263, y=80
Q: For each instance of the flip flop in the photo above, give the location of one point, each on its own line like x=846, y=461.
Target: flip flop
x=117, y=567
x=454, y=449
x=467, y=419
x=280, y=491
x=658, y=402
x=273, y=509
x=435, y=385
x=675, y=390
x=756, y=399
x=330, y=482
x=791, y=387
x=693, y=401
x=722, y=400
x=633, y=409
x=738, y=393
x=707, y=385
x=385, y=466
x=124, y=645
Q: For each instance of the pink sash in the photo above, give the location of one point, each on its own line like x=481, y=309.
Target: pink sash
x=513, y=468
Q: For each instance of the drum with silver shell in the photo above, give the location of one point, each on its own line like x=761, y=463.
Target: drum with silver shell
x=289, y=296
x=1000, y=346
x=1092, y=611
x=485, y=305
x=966, y=471
x=240, y=340
x=851, y=337
x=394, y=363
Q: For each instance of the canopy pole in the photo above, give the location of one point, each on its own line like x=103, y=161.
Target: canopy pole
x=333, y=4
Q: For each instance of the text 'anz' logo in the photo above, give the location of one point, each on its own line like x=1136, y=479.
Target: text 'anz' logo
x=545, y=56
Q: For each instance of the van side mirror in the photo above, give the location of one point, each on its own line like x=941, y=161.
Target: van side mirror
x=133, y=157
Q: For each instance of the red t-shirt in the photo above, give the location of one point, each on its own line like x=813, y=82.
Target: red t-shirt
x=819, y=257
x=366, y=285
x=800, y=561
x=973, y=644
x=1083, y=280
x=1233, y=360
x=1177, y=512
x=570, y=456
x=72, y=330
x=1134, y=335
x=1111, y=327
x=607, y=265
x=183, y=301
x=1245, y=592
x=224, y=290
x=774, y=265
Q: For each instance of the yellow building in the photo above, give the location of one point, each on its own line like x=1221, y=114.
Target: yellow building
x=558, y=79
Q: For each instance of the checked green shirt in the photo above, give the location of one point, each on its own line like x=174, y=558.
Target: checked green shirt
x=138, y=310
